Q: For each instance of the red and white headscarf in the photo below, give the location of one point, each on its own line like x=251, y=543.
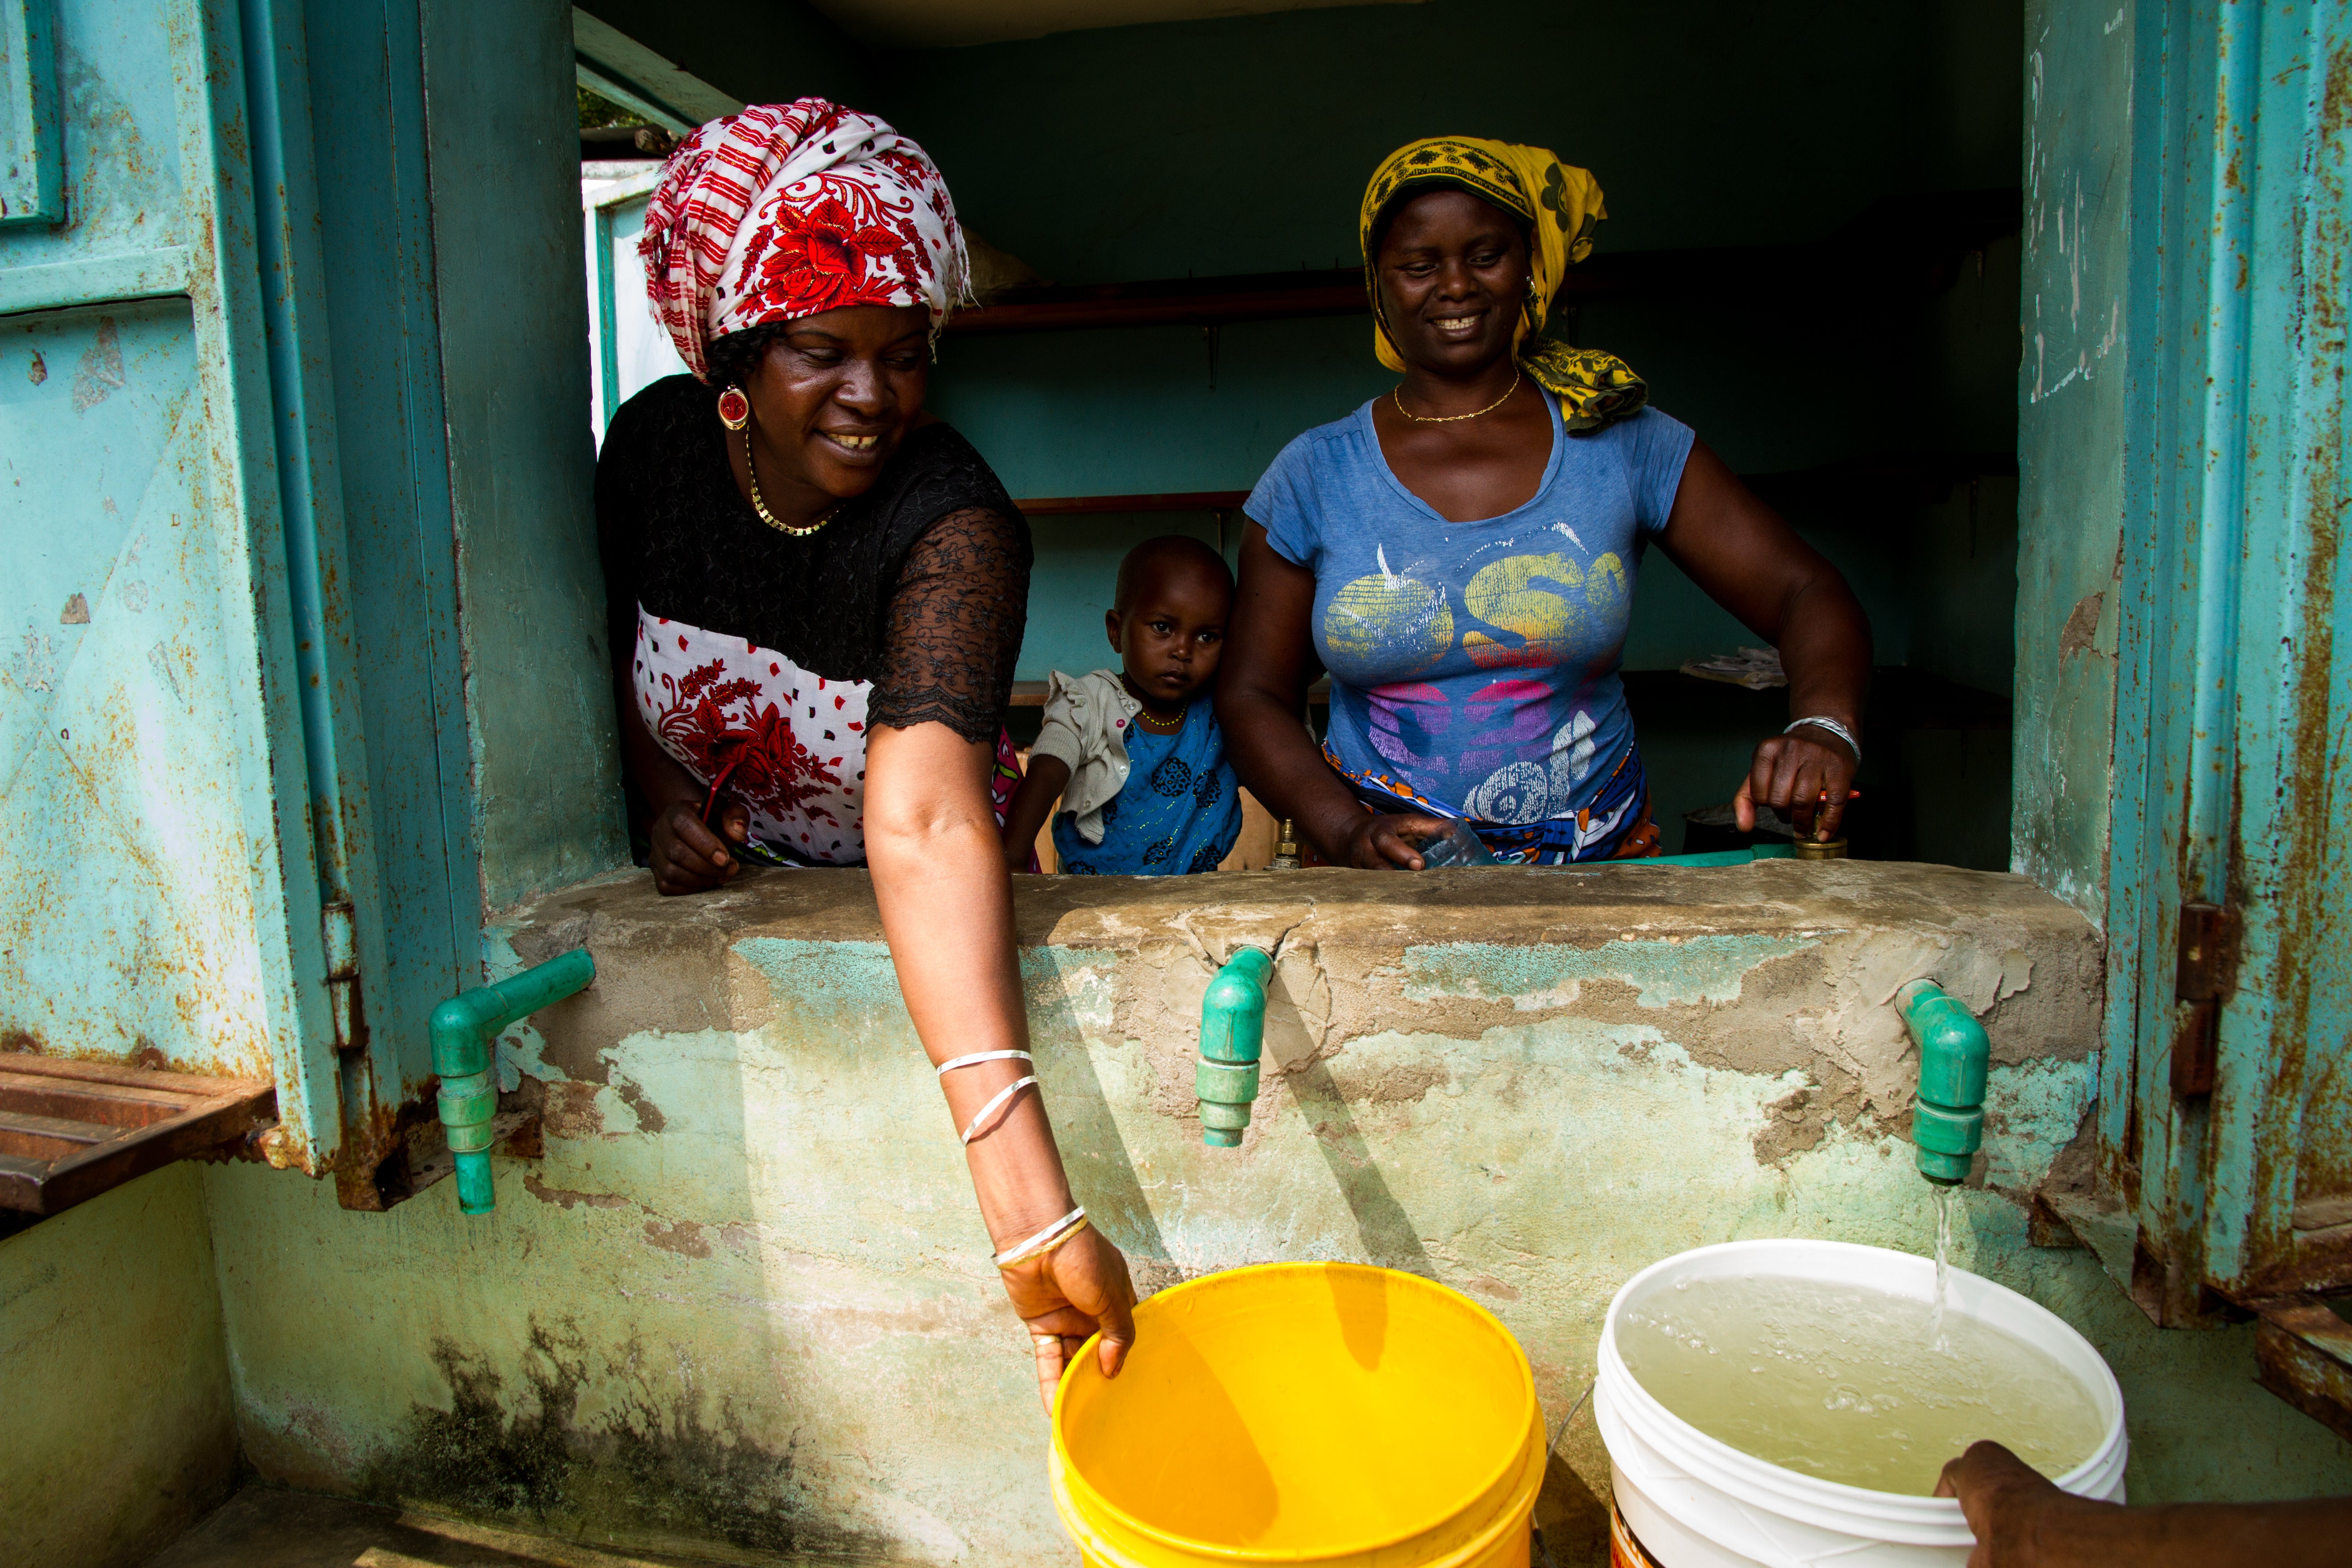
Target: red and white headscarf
x=787, y=209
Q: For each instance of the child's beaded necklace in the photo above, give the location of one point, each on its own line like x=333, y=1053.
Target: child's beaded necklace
x=1144, y=716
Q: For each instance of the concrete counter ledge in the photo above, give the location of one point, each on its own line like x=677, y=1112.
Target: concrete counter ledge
x=1780, y=971
x=745, y=1295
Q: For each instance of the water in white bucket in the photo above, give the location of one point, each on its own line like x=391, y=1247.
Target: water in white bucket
x=1853, y=1385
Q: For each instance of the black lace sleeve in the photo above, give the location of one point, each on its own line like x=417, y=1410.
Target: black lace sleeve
x=955, y=623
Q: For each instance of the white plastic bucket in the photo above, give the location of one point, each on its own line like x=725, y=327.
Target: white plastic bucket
x=1694, y=1503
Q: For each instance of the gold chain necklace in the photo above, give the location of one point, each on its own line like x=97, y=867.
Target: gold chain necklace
x=751, y=467
x=1397, y=395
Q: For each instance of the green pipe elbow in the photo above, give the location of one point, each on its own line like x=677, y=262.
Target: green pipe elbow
x=1947, y=1113
x=462, y=1029
x=1233, y=1035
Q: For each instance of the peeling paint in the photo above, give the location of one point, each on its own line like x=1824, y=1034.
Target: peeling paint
x=685, y=1238
x=847, y=973
x=1680, y=972
x=564, y=1197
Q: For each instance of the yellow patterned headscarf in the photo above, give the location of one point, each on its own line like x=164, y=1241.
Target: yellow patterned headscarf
x=1560, y=204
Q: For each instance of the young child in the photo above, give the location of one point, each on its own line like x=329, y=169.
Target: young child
x=1135, y=753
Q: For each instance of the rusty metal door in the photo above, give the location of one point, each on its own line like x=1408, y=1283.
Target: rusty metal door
x=2226, y=1082
x=190, y=818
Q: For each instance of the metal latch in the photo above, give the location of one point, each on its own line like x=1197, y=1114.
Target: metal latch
x=2200, y=984
x=340, y=939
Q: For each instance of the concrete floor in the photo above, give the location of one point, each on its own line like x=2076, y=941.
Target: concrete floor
x=263, y=1528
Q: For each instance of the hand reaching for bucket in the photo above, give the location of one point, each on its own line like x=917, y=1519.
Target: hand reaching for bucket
x=1067, y=1294
x=2022, y=1520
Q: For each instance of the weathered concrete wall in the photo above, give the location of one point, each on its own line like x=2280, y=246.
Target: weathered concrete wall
x=116, y=1430
x=745, y=1294
x=2070, y=441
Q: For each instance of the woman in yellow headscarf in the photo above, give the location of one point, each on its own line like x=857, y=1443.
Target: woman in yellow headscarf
x=1460, y=553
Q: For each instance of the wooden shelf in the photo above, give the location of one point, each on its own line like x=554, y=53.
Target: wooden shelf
x=70, y=1129
x=1178, y=501
x=1930, y=474
x=1920, y=477
x=2303, y=1353
x=1902, y=244
x=1169, y=302
x=1032, y=693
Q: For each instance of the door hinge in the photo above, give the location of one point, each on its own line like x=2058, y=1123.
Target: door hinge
x=2200, y=982
x=338, y=936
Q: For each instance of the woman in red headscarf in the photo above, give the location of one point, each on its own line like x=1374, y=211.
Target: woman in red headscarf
x=823, y=589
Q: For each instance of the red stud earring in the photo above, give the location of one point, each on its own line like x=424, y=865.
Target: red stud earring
x=734, y=408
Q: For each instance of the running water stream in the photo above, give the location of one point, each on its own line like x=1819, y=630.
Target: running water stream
x=1936, y=1340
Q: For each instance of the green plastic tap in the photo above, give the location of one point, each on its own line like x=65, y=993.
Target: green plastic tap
x=1948, y=1115
x=463, y=1028
x=1233, y=1034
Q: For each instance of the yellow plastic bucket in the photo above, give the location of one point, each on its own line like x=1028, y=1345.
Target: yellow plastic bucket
x=1303, y=1412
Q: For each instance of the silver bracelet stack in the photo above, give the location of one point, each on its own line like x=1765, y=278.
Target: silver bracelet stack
x=1002, y=1097
x=1823, y=722
x=1062, y=1229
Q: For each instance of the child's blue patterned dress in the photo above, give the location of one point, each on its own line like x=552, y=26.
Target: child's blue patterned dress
x=1180, y=810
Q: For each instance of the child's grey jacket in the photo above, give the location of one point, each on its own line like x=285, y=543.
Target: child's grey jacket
x=1086, y=724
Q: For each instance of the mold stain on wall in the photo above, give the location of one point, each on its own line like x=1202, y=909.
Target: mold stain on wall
x=536, y=1453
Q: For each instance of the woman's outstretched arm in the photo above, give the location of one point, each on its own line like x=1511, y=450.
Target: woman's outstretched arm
x=946, y=913
x=931, y=837
x=1261, y=701
x=1781, y=588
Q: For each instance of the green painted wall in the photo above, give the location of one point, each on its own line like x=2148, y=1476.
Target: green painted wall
x=2071, y=406
x=119, y=1430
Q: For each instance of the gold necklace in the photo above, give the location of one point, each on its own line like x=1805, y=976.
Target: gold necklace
x=758, y=505
x=1397, y=395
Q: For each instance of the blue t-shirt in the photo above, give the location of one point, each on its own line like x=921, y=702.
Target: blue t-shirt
x=1473, y=664
x=1179, y=810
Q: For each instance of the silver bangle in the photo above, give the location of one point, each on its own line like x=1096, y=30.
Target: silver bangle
x=1003, y=1096
x=979, y=1056
x=1021, y=1249
x=1823, y=722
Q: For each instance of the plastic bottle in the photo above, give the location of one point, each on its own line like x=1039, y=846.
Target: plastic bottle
x=1456, y=846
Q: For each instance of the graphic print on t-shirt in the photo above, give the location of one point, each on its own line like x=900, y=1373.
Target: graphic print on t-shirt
x=1513, y=748
x=1473, y=664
